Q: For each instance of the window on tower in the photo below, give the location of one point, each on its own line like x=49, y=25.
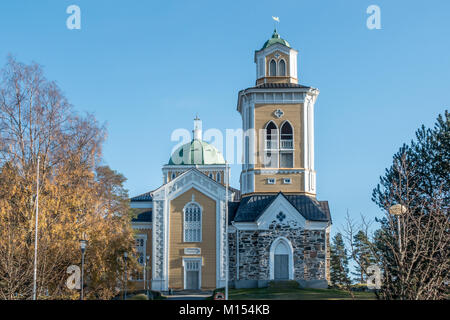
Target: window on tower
x=286, y=159
x=272, y=68
x=271, y=146
x=287, y=138
x=282, y=68
x=286, y=146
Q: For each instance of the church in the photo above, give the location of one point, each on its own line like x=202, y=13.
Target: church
x=273, y=228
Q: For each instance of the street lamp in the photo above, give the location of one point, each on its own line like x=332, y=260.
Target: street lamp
x=83, y=245
x=125, y=256
x=145, y=274
x=398, y=210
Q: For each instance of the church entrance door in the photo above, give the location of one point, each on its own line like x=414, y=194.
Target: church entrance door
x=192, y=274
x=281, y=267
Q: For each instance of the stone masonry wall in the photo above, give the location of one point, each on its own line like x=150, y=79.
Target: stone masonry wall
x=254, y=252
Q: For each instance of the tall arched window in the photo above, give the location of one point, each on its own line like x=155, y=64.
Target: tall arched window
x=282, y=68
x=271, y=146
x=287, y=146
x=218, y=177
x=272, y=68
x=192, y=223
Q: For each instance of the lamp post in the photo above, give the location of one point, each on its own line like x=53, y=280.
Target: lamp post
x=398, y=210
x=227, y=170
x=83, y=245
x=125, y=256
x=147, y=259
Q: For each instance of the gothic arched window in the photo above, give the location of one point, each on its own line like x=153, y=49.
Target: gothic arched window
x=272, y=68
x=271, y=146
x=287, y=146
x=282, y=68
x=218, y=177
x=286, y=131
x=192, y=223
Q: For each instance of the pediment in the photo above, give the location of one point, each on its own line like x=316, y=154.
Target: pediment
x=282, y=212
x=188, y=180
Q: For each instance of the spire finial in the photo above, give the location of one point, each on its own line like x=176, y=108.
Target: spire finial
x=197, y=128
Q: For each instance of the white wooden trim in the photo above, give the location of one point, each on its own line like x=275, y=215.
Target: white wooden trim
x=272, y=258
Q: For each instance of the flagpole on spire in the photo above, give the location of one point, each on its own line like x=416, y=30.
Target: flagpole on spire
x=276, y=19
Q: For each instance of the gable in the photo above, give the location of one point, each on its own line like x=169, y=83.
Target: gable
x=188, y=180
x=281, y=211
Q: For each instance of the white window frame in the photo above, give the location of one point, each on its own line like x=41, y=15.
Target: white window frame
x=184, y=222
x=285, y=68
x=287, y=180
x=271, y=181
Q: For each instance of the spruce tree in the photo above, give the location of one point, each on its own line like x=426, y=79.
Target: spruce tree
x=363, y=256
x=339, y=262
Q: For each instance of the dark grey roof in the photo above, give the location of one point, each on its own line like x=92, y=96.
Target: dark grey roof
x=325, y=208
x=145, y=216
x=279, y=85
x=252, y=207
x=142, y=197
x=232, y=209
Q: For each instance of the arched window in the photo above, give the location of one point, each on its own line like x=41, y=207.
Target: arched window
x=173, y=176
x=272, y=68
x=287, y=146
x=271, y=146
x=271, y=136
x=218, y=177
x=192, y=223
x=286, y=134
x=211, y=175
x=282, y=68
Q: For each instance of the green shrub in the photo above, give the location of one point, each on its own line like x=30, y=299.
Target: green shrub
x=140, y=296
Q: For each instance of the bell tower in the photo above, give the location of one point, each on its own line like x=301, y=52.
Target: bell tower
x=276, y=61
x=278, y=124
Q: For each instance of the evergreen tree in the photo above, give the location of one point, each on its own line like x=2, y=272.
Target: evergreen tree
x=416, y=258
x=339, y=262
x=363, y=255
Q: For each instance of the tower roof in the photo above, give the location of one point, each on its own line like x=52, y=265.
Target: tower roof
x=275, y=39
x=196, y=152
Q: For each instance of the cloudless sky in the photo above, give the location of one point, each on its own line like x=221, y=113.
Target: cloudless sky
x=145, y=68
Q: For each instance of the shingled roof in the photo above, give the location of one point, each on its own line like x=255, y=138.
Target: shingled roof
x=272, y=85
x=252, y=207
x=142, y=197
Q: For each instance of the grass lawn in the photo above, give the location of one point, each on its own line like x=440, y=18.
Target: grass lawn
x=297, y=294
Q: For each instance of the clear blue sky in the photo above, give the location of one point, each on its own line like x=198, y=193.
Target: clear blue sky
x=146, y=68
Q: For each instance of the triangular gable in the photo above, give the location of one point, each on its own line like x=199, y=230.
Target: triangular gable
x=282, y=212
x=192, y=178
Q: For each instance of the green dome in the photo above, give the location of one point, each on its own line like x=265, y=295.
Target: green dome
x=275, y=39
x=196, y=152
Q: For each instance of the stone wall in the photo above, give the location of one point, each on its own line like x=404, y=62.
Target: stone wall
x=254, y=252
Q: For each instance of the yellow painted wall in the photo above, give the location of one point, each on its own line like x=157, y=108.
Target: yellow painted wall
x=294, y=113
x=297, y=182
x=177, y=245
